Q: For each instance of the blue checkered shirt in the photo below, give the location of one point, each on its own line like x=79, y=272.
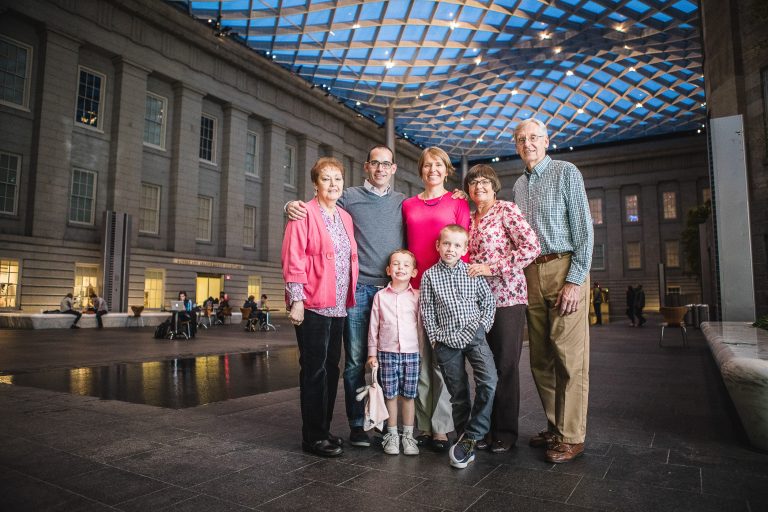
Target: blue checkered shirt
x=453, y=305
x=554, y=202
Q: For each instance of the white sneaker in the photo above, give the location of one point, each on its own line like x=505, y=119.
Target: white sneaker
x=391, y=444
x=410, y=446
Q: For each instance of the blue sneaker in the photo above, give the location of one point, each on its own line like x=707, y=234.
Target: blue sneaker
x=462, y=453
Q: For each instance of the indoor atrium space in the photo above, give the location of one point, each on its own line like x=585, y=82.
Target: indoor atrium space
x=205, y=210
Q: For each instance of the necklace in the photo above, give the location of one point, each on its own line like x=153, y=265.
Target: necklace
x=433, y=203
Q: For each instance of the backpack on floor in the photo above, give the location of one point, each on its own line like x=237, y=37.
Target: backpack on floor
x=161, y=331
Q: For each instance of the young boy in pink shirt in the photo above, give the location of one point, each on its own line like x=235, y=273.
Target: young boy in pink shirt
x=393, y=345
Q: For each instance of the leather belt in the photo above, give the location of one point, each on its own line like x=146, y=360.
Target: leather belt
x=549, y=257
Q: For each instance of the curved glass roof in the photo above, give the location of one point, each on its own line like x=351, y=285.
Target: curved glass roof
x=462, y=74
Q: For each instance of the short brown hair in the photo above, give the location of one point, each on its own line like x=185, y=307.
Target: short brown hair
x=322, y=163
x=482, y=171
x=403, y=251
x=436, y=152
x=454, y=228
x=380, y=146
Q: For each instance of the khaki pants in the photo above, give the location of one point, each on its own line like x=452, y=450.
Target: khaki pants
x=434, y=414
x=559, y=347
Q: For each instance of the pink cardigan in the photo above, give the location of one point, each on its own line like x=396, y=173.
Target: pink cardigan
x=309, y=259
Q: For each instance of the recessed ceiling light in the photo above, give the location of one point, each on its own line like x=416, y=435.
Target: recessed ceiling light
x=453, y=25
x=632, y=68
x=462, y=118
x=638, y=105
x=479, y=139
x=558, y=50
x=627, y=47
x=389, y=64
x=569, y=73
x=580, y=111
x=478, y=60
x=332, y=32
x=698, y=131
x=620, y=28
x=356, y=25
x=544, y=35
x=421, y=94
x=554, y=146
x=571, y=148
x=357, y=103
x=514, y=91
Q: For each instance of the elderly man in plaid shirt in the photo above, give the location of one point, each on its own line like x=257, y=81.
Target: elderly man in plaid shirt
x=551, y=195
x=457, y=311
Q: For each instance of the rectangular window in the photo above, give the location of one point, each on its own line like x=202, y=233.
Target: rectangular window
x=86, y=282
x=596, y=210
x=290, y=165
x=634, y=260
x=153, y=288
x=207, y=139
x=204, y=218
x=149, y=209
x=82, y=199
x=673, y=290
x=252, y=155
x=90, y=98
x=254, y=287
x=154, y=120
x=249, y=226
x=598, y=257
x=672, y=253
x=15, y=67
x=631, y=210
x=9, y=282
x=10, y=168
x=669, y=201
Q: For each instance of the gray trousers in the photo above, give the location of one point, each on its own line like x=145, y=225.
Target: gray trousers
x=433, y=402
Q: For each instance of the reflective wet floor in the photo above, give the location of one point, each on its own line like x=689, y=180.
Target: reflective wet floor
x=174, y=383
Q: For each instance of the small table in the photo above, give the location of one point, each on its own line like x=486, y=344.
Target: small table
x=265, y=325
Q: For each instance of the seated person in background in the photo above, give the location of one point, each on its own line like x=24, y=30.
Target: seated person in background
x=100, y=307
x=66, y=307
x=261, y=313
x=189, y=314
x=223, y=304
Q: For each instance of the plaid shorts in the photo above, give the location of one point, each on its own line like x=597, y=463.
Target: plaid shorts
x=399, y=374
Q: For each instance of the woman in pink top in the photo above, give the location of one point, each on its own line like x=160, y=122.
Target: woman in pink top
x=425, y=215
x=501, y=245
x=320, y=272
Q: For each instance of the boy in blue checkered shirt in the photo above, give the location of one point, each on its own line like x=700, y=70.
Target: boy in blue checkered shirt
x=458, y=310
x=393, y=343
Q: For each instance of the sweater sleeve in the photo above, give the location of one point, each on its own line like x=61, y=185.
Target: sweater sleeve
x=373, y=329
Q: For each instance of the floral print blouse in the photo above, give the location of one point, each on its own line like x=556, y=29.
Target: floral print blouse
x=503, y=240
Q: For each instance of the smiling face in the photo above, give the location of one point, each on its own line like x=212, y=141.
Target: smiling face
x=329, y=184
x=433, y=170
x=481, y=190
x=379, y=168
x=452, y=245
x=401, y=268
x=531, y=143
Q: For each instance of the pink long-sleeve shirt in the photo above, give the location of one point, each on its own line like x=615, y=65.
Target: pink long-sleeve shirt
x=309, y=259
x=423, y=222
x=394, y=320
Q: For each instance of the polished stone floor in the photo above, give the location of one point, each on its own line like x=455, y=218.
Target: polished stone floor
x=662, y=435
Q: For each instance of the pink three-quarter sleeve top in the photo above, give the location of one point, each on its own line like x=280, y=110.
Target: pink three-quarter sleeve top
x=503, y=240
x=314, y=258
x=423, y=222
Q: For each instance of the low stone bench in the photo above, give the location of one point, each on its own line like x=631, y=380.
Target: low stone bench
x=63, y=321
x=741, y=353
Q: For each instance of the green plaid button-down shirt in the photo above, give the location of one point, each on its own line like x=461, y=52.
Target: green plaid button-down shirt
x=554, y=202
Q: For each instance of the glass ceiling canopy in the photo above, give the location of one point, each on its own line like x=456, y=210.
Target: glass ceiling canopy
x=462, y=74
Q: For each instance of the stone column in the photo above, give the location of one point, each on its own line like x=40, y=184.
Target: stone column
x=390, y=129
x=127, y=132
x=232, y=197
x=273, y=192
x=309, y=152
x=50, y=165
x=185, y=169
x=614, y=252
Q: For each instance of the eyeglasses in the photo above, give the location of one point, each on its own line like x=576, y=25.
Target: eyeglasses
x=481, y=182
x=384, y=165
x=531, y=138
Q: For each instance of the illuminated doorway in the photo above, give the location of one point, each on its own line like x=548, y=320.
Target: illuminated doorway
x=208, y=285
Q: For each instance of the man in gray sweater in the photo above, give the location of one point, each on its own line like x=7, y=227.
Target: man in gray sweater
x=376, y=211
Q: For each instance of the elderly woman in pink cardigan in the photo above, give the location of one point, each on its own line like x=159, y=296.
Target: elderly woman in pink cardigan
x=320, y=272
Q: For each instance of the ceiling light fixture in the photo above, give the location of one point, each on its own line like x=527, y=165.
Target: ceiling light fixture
x=514, y=91
x=478, y=60
x=453, y=25
x=558, y=50
x=389, y=64
x=632, y=68
x=580, y=111
x=356, y=26
x=569, y=73
x=544, y=35
x=638, y=105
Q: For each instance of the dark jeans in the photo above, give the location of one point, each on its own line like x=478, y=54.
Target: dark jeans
x=506, y=341
x=356, y=351
x=639, y=315
x=452, y=364
x=598, y=313
x=77, y=314
x=100, y=314
x=319, y=339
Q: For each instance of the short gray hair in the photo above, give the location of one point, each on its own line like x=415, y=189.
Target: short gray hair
x=531, y=120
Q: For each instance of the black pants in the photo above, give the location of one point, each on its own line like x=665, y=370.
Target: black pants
x=77, y=314
x=639, y=315
x=319, y=339
x=100, y=314
x=506, y=341
x=598, y=313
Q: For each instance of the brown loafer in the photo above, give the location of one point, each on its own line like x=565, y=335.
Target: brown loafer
x=563, y=452
x=545, y=438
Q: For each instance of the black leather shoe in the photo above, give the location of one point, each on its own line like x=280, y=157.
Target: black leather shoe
x=322, y=448
x=424, y=440
x=499, y=446
x=335, y=440
x=440, y=445
x=482, y=445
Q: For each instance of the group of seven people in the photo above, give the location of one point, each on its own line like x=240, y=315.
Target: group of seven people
x=419, y=286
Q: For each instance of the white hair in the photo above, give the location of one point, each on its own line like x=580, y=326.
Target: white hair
x=531, y=120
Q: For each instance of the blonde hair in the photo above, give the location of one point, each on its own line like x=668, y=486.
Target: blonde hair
x=403, y=251
x=436, y=152
x=454, y=228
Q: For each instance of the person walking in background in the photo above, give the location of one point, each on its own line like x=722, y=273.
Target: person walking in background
x=631, y=305
x=66, y=307
x=552, y=197
x=639, y=304
x=100, y=307
x=597, y=301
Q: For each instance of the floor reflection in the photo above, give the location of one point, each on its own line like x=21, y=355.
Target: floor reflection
x=174, y=383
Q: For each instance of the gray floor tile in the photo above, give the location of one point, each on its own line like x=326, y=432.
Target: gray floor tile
x=20, y=493
x=206, y=503
x=252, y=487
x=111, y=485
x=384, y=483
x=671, y=476
x=547, y=485
x=444, y=494
x=502, y=502
x=157, y=500
x=176, y=466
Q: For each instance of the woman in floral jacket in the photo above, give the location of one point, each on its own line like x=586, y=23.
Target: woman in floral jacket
x=501, y=245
